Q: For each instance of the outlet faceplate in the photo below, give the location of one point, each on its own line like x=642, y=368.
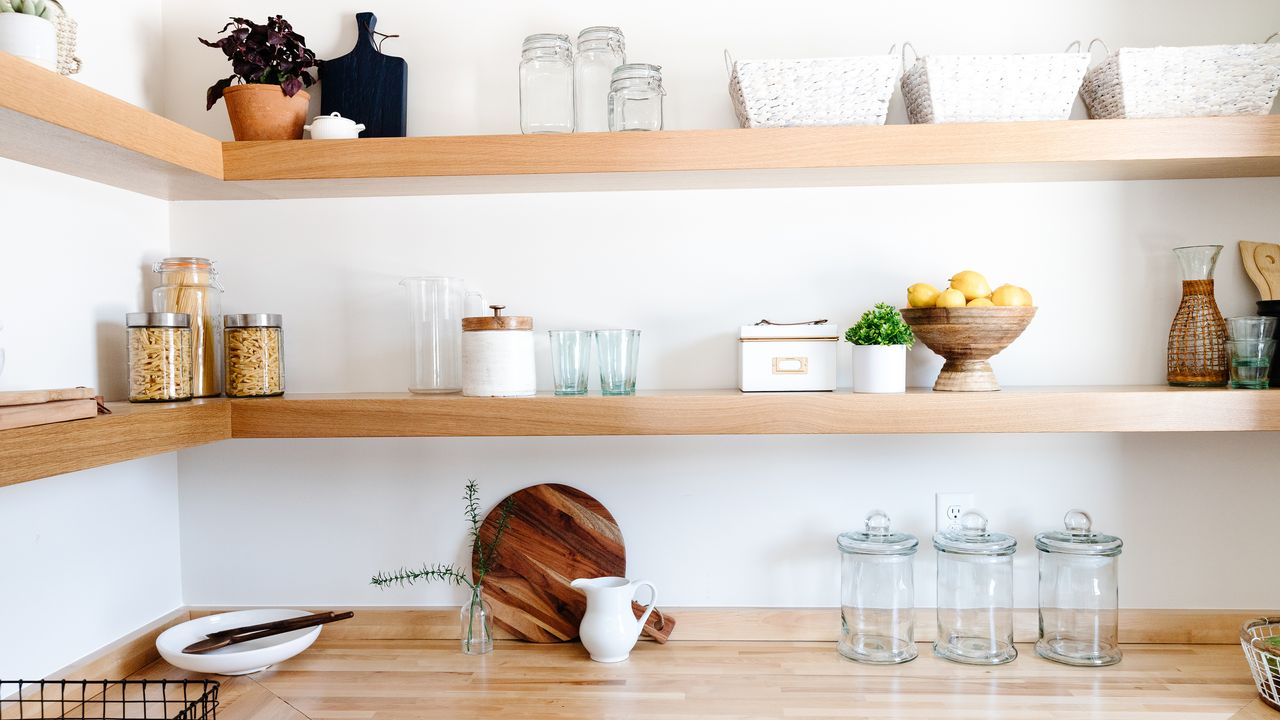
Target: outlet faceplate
x=948, y=507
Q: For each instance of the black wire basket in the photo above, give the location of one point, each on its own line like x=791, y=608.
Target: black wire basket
x=109, y=699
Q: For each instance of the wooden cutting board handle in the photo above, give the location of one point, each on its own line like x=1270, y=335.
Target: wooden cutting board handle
x=658, y=626
x=1247, y=250
x=1267, y=257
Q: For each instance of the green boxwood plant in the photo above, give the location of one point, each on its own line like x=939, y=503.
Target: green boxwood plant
x=881, y=325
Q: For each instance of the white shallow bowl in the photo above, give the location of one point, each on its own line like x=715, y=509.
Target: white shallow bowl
x=241, y=659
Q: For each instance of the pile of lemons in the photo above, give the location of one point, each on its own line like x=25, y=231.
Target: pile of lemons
x=968, y=289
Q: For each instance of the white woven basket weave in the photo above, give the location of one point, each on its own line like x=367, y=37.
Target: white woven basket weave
x=821, y=91
x=1200, y=81
x=1265, y=666
x=992, y=88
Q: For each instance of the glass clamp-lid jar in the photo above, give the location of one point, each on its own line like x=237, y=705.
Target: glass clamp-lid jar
x=160, y=363
x=635, y=97
x=190, y=285
x=877, y=593
x=1079, y=593
x=253, y=347
x=546, y=84
x=975, y=593
x=599, y=51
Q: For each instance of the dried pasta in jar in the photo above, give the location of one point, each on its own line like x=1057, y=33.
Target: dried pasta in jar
x=160, y=368
x=253, y=351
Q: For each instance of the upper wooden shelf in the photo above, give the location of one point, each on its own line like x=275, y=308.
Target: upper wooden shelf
x=58, y=123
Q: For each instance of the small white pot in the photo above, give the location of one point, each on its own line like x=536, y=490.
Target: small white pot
x=30, y=38
x=333, y=127
x=879, y=368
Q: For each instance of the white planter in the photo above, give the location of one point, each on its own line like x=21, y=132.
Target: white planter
x=879, y=368
x=30, y=38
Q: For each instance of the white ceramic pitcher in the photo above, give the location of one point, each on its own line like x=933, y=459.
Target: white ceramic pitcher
x=609, y=629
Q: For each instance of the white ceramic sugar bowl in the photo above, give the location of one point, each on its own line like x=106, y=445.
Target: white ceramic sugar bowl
x=497, y=355
x=333, y=127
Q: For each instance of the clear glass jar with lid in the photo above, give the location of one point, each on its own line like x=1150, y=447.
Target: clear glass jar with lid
x=159, y=356
x=600, y=50
x=877, y=593
x=546, y=84
x=635, y=97
x=975, y=593
x=1079, y=593
x=254, y=355
x=190, y=285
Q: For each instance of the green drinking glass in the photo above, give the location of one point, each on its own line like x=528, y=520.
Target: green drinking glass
x=619, y=352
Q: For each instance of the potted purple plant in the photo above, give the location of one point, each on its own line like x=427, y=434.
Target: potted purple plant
x=270, y=66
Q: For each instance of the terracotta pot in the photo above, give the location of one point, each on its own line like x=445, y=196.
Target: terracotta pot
x=263, y=112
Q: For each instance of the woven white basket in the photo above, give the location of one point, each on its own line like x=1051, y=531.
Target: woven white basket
x=992, y=88
x=1265, y=666
x=821, y=91
x=1200, y=81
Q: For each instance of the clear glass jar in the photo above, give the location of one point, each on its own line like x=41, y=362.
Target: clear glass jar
x=436, y=308
x=546, y=84
x=1079, y=594
x=975, y=593
x=877, y=593
x=476, y=619
x=635, y=97
x=190, y=285
x=254, y=352
x=160, y=363
x=600, y=50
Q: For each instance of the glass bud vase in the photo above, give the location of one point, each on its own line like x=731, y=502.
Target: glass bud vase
x=1197, y=338
x=477, y=628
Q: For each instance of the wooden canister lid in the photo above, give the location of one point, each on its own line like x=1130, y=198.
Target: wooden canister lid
x=497, y=321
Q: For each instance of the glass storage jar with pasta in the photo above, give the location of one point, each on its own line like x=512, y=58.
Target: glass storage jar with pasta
x=190, y=285
x=160, y=368
x=254, y=350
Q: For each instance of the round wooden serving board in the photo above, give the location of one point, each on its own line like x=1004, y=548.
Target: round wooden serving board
x=556, y=535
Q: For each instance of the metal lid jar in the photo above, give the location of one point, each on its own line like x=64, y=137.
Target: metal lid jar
x=160, y=362
x=253, y=351
x=1079, y=593
x=877, y=593
x=975, y=593
x=635, y=97
x=497, y=355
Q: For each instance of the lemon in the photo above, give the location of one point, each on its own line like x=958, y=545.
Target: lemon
x=950, y=298
x=1011, y=295
x=981, y=302
x=972, y=284
x=922, y=295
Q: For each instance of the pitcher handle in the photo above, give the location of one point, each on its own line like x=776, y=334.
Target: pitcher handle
x=653, y=599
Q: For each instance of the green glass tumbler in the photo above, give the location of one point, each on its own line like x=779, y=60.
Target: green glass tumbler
x=619, y=352
x=570, y=361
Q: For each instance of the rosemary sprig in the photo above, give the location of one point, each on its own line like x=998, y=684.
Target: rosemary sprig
x=428, y=573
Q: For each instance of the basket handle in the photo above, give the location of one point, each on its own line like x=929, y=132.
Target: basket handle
x=1271, y=37
x=728, y=61
x=1106, y=51
x=914, y=55
x=1074, y=44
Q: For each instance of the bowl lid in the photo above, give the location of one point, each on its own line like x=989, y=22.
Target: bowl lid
x=334, y=118
x=973, y=538
x=1078, y=538
x=877, y=538
x=497, y=321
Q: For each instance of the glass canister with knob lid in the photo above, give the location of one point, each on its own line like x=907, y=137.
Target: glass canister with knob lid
x=877, y=593
x=1079, y=593
x=975, y=593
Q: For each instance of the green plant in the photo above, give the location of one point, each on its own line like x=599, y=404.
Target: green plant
x=39, y=8
x=881, y=325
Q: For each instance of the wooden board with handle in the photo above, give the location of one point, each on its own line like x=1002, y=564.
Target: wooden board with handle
x=33, y=397
x=366, y=86
x=1247, y=250
x=555, y=535
x=1266, y=257
x=20, y=416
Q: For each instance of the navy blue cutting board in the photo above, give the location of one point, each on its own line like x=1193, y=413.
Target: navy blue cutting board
x=366, y=86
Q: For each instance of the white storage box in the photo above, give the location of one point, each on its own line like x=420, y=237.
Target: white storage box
x=773, y=358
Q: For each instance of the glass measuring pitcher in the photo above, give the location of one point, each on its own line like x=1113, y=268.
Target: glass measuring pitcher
x=436, y=308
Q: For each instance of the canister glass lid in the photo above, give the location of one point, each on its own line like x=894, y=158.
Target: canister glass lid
x=1078, y=538
x=877, y=538
x=973, y=538
x=497, y=321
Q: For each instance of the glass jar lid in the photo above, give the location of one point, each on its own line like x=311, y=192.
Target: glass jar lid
x=250, y=320
x=547, y=41
x=497, y=321
x=157, y=320
x=638, y=71
x=1078, y=538
x=972, y=538
x=877, y=539
x=600, y=36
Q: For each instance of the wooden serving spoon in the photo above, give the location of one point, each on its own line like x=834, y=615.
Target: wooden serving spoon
x=1267, y=257
x=1247, y=250
x=213, y=643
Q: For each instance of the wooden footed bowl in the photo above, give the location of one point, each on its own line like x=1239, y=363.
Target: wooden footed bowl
x=967, y=337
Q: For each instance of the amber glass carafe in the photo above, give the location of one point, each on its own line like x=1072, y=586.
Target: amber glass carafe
x=1197, y=350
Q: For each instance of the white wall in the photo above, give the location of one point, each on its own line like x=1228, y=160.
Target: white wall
x=93, y=555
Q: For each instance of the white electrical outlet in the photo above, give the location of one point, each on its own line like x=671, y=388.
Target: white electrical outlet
x=948, y=508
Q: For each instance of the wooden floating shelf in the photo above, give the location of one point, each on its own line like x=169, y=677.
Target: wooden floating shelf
x=129, y=432
x=57, y=123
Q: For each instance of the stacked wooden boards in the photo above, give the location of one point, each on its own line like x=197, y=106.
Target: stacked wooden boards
x=25, y=408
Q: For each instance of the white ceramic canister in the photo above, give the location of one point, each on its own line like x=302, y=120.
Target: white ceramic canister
x=497, y=355
x=333, y=127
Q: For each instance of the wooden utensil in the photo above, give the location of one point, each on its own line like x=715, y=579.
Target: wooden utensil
x=967, y=338
x=366, y=86
x=268, y=625
x=210, y=644
x=1251, y=267
x=555, y=535
x=1267, y=258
